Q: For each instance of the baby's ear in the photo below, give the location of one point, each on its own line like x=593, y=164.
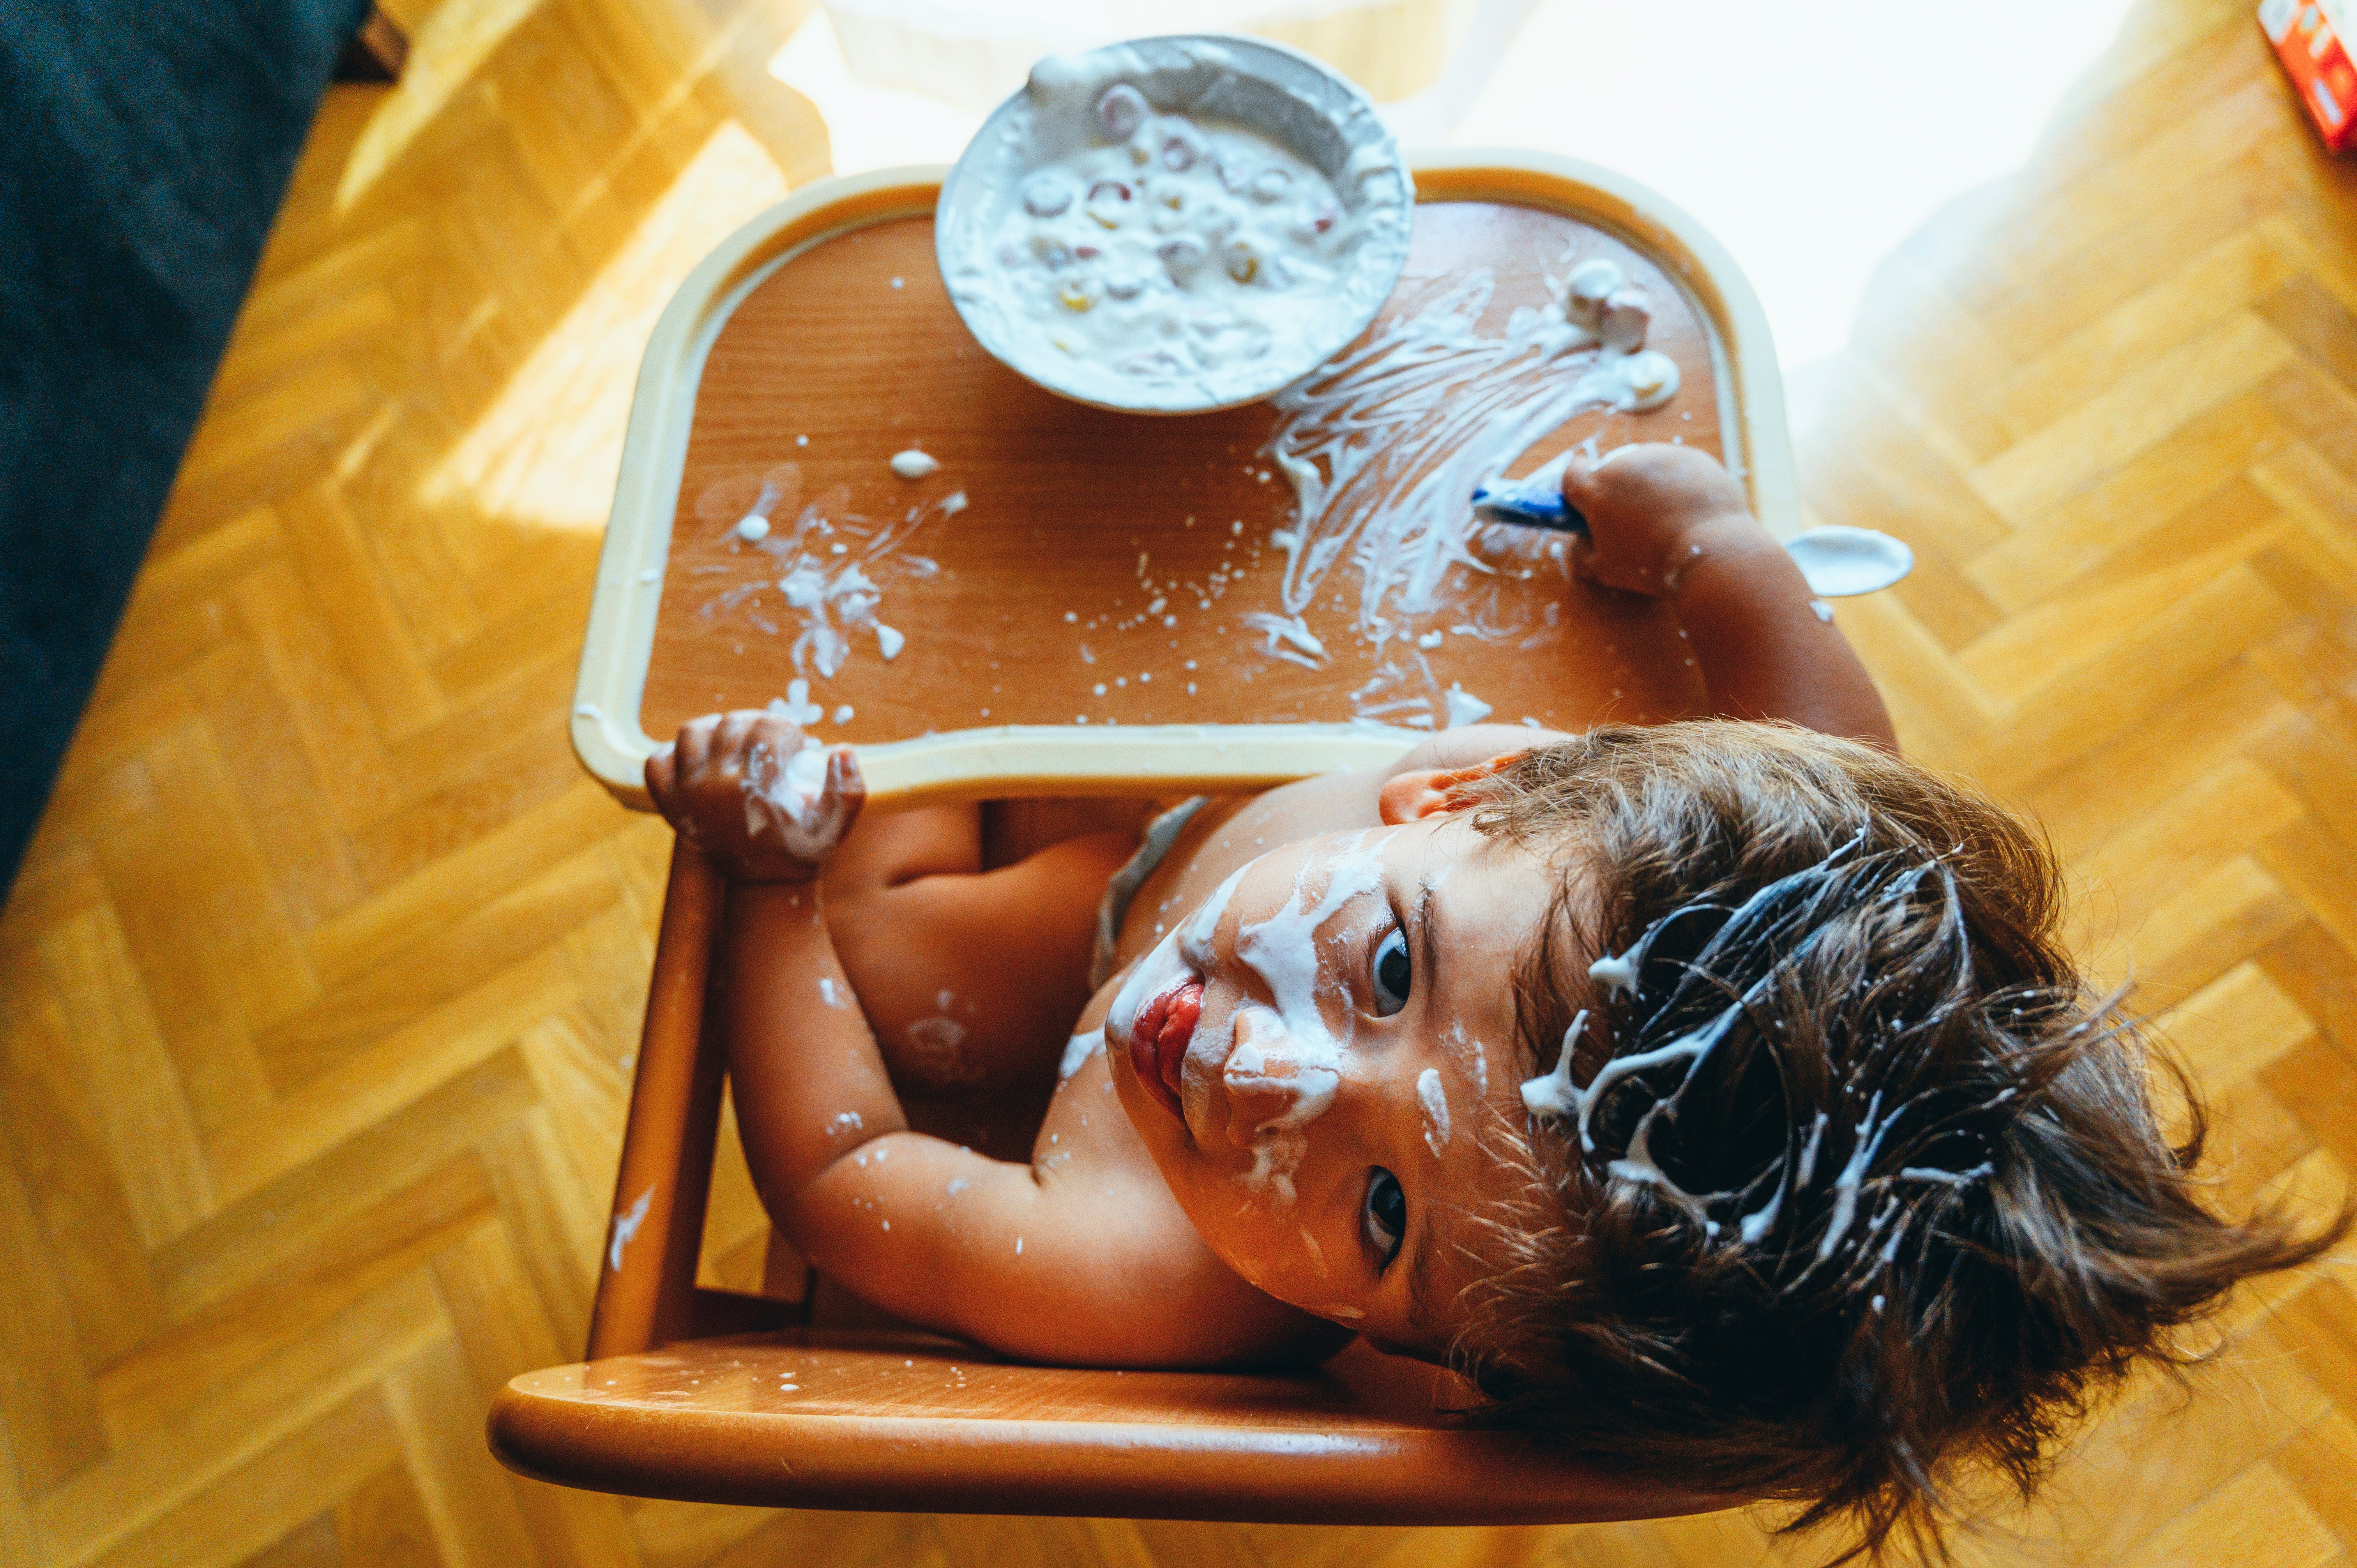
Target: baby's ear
x=1411, y=797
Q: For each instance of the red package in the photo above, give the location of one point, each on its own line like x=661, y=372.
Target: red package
x=2309, y=38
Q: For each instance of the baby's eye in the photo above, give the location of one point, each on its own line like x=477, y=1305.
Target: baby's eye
x=1384, y=1219
x=1393, y=974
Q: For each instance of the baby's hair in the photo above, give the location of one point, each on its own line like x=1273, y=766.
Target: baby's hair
x=1874, y=1190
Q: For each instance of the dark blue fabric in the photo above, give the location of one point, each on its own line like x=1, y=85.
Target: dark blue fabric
x=144, y=148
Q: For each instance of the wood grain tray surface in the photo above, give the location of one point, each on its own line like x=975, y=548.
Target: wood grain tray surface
x=1078, y=589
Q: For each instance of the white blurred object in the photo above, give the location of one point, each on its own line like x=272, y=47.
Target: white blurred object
x=1841, y=563
x=1426, y=119
x=972, y=55
x=910, y=80
x=867, y=126
x=1812, y=145
x=1812, y=141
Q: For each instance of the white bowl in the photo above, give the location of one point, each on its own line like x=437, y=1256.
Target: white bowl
x=1279, y=92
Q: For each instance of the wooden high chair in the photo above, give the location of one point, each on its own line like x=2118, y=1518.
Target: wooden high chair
x=1097, y=569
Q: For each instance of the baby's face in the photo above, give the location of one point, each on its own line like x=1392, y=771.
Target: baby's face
x=1313, y=1055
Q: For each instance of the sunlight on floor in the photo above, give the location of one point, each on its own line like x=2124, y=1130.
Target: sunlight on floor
x=549, y=450
x=447, y=51
x=909, y=80
x=1811, y=150
x=867, y=126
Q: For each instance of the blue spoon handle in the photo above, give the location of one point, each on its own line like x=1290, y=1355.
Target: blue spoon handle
x=1534, y=502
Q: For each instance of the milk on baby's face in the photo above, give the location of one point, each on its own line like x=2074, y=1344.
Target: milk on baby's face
x=1174, y=247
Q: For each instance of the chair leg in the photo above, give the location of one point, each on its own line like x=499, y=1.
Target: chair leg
x=646, y=1287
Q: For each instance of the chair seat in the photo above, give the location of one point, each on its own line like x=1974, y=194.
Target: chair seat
x=900, y=1422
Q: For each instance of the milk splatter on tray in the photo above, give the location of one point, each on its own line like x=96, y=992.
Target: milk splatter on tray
x=826, y=574
x=1383, y=447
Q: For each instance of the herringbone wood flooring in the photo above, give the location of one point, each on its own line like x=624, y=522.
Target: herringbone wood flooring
x=320, y=985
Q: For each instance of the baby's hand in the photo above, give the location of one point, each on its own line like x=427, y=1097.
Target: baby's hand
x=1647, y=508
x=751, y=790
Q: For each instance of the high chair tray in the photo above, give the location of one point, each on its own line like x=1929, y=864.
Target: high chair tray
x=1080, y=601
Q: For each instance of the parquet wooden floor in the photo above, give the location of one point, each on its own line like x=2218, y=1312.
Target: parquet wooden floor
x=320, y=985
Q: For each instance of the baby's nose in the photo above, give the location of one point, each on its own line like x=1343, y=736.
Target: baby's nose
x=1273, y=1077
x=1254, y=1100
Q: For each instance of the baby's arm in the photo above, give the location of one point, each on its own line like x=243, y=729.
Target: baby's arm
x=1080, y=1256
x=1668, y=521
x=808, y=1080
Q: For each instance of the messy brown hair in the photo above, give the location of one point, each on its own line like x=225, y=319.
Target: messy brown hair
x=1892, y=1198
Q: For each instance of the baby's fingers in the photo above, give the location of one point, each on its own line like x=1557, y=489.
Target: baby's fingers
x=1579, y=480
x=820, y=811
x=735, y=734
x=804, y=801
x=782, y=736
x=663, y=786
x=1583, y=556
x=847, y=789
x=694, y=744
x=662, y=774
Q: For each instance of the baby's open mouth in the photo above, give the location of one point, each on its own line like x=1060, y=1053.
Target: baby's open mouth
x=1158, y=1040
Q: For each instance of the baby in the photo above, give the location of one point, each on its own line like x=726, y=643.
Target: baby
x=1717, y=1097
